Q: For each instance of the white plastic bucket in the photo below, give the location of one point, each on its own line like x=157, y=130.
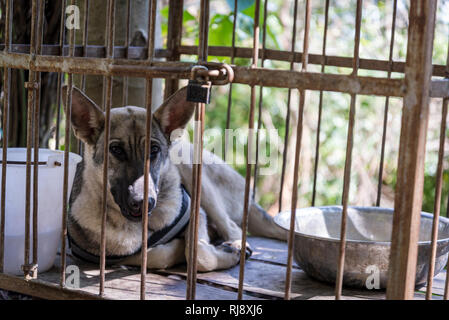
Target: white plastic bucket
x=50, y=194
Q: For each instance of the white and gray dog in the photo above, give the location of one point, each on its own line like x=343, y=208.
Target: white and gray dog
x=220, y=233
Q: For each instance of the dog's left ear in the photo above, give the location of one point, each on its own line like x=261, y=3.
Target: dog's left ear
x=175, y=113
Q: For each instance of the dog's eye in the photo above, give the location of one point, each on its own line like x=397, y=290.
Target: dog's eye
x=154, y=151
x=117, y=151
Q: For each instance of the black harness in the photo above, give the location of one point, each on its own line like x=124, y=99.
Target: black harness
x=159, y=237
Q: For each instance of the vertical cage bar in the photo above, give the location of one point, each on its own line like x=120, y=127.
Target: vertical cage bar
x=302, y=98
x=85, y=40
x=229, y=107
x=438, y=195
x=348, y=162
x=387, y=103
x=174, y=35
x=437, y=202
x=196, y=203
x=39, y=38
x=249, y=151
x=127, y=43
x=29, y=140
x=5, y=122
x=259, y=120
x=110, y=32
x=446, y=283
x=445, y=102
x=410, y=177
x=148, y=95
x=287, y=118
x=320, y=106
x=60, y=75
x=148, y=99
x=197, y=161
x=68, y=116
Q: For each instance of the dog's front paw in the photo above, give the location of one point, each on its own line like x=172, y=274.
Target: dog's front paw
x=236, y=246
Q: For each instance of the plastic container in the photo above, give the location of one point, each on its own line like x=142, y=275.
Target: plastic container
x=50, y=193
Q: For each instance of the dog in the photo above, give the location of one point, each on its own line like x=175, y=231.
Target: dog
x=169, y=185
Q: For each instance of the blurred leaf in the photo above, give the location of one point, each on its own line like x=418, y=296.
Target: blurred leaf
x=220, y=32
x=187, y=16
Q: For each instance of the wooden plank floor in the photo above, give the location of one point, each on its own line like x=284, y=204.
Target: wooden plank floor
x=264, y=279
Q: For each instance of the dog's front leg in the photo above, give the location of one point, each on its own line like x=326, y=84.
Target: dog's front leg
x=162, y=256
x=212, y=257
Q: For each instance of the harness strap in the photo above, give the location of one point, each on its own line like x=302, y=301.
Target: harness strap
x=159, y=237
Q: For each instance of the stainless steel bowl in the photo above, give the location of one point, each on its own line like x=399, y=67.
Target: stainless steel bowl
x=317, y=234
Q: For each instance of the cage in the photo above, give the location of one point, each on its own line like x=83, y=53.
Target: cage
x=123, y=58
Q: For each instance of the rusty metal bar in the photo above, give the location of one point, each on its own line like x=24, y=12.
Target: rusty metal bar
x=228, y=112
x=287, y=119
x=446, y=283
x=39, y=38
x=127, y=44
x=334, y=61
x=174, y=35
x=197, y=162
x=437, y=202
x=320, y=106
x=244, y=75
x=95, y=51
x=85, y=39
x=249, y=149
x=299, y=127
x=410, y=177
x=5, y=127
x=68, y=116
x=347, y=171
x=149, y=117
x=110, y=31
x=387, y=103
x=204, y=32
x=29, y=269
x=259, y=111
x=60, y=75
x=196, y=203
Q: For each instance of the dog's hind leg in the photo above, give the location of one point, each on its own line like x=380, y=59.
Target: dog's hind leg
x=210, y=257
x=162, y=256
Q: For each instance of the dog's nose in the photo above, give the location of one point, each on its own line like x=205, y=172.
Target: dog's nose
x=151, y=204
x=135, y=205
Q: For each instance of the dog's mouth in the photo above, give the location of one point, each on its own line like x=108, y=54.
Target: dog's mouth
x=132, y=214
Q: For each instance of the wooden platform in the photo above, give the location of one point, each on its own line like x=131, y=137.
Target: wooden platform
x=264, y=279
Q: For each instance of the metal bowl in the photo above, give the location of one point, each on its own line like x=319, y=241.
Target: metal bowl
x=317, y=234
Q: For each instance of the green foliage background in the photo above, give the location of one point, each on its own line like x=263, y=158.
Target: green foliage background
x=375, y=42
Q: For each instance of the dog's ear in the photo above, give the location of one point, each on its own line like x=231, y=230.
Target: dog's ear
x=87, y=118
x=175, y=112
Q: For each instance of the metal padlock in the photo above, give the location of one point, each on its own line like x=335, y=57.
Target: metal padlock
x=199, y=91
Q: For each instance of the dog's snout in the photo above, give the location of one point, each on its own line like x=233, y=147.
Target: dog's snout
x=151, y=204
x=135, y=205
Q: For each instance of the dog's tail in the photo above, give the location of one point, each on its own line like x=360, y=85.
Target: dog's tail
x=260, y=223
